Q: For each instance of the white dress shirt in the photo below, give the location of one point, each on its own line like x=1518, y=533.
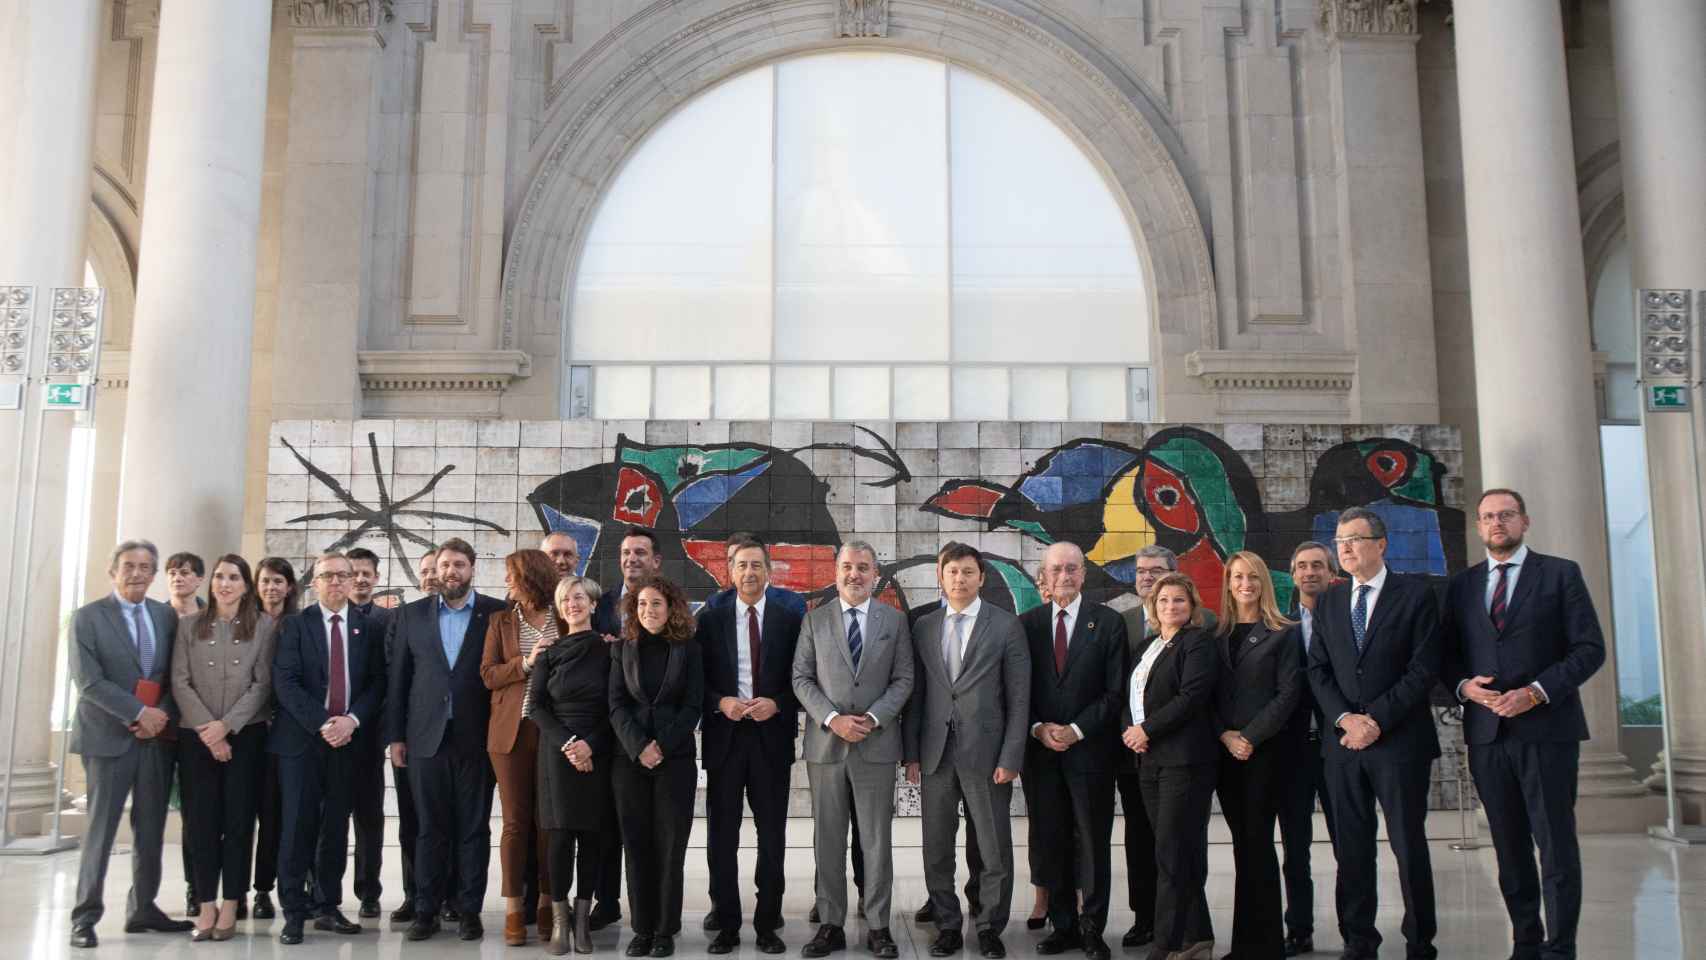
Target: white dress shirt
x=1140, y=677
x=1054, y=611
x=745, y=682
x=864, y=637
x=343, y=631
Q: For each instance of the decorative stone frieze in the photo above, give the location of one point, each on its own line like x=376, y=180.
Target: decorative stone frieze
x=430, y=382
x=862, y=18
x=340, y=13
x=1272, y=385
x=1395, y=18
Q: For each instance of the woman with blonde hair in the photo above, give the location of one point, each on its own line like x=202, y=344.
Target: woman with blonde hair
x=1261, y=681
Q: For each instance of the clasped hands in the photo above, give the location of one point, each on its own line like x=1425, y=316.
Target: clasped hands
x=579, y=755
x=338, y=730
x=1360, y=731
x=1511, y=703
x=1055, y=736
x=212, y=736
x=852, y=729
x=1235, y=744
x=149, y=724
x=1136, y=739
x=736, y=709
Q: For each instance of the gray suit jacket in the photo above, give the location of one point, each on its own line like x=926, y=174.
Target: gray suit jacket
x=105, y=666
x=988, y=706
x=825, y=682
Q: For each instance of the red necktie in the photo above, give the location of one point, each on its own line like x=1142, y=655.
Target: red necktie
x=752, y=644
x=337, y=696
x=1498, y=609
x=1060, y=643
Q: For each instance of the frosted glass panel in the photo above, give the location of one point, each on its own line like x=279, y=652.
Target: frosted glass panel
x=1039, y=393
x=802, y=393
x=681, y=243
x=742, y=393
x=1044, y=264
x=622, y=393
x=921, y=393
x=861, y=393
x=861, y=209
x=980, y=393
x=681, y=393
x=1099, y=393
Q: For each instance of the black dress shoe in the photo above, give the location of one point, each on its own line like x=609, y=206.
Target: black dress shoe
x=83, y=935
x=881, y=944
x=990, y=945
x=263, y=906
x=812, y=916
x=291, y=935
x=1059, y=941
x=640, y=946
x=470, y=927
x=1095, y=948
x=926, y=913
x=369, y=909
x=1356, y=955
x=829, y=938
x=712, y=923
x=404, y=914
x=769, y=942
x=1139, y=935
x=663, y=945
x=242, y=908
x=1035, y=923
x=158, y=923
x=724, y=942
x=422, y=928
x=334, y=921
x=947, y=943
x=1296, y=946
x=603, y=915
x=449, y=914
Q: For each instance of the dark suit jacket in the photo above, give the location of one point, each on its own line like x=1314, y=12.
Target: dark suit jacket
x=1259, y=697
x=670, y=717
x=1551, y=636
x=371, y=736
x=779, y=633
x=1392, y=678
x=105, y=666
x=607, y=614
x=423, y=685
x=1087, y=694
x=1178, y=703
x=301, y=671
x=772, y=594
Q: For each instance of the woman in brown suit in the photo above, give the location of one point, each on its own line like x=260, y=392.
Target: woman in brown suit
x=514, y=642
x=222, y=682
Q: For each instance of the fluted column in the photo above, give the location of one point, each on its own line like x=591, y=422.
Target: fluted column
x=187, y=416
x=1528, y=295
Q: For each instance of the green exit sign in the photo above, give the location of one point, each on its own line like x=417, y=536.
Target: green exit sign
x=65, y=396
x=1667, y=397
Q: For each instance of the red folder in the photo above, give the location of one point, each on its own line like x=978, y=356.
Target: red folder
x=148, y=691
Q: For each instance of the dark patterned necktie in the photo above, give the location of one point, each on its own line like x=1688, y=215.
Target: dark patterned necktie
x=855, y=639
x=1060, y=643
x=1359, y=616
x=337, y=697
x=752, y=640
x=1497, y=610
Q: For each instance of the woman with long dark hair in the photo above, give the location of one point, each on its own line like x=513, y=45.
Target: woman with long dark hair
x=222, y=682
x=279, y=595
x=657, y=694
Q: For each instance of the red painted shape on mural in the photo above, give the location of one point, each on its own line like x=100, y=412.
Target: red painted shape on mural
x=1169, y=502
x=638, y=498
x=970, y=500
x=1203, y=566
x=798, y=567
x=891, y=596
x=1388, y=466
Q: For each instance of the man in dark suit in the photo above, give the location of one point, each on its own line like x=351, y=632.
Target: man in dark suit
x=367, y=803
x=408, y=825
x=750, y=718
x=965, y=744
x=121, y=661
x=1373, y=658
x=1312, y=572
x=1520, y=637
x=436, y=711
x=328, y=678
x=1078, y=655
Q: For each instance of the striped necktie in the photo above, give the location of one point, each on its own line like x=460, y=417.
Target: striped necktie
x=1497, y=610
x=855, y=639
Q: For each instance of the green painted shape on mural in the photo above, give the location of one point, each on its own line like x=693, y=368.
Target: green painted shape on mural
x=1420, y=486
x=1284, y=588
x=1214, y=491
x=1025, y=594
x=668, y=462
x=1031, y=527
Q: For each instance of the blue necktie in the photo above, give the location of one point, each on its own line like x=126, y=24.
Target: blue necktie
x=144, y=641
x=1359, y=616
x=855, y=640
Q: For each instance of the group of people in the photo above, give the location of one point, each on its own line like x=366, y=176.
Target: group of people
x=580, y=706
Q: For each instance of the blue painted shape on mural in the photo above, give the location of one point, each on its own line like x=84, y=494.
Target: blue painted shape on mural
x=1125, y=571
x=1413, y=540
x=702, y=497
x=582, y=530
x=1076, y=475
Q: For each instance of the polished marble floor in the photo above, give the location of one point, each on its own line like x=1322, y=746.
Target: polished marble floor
x=1644, y=899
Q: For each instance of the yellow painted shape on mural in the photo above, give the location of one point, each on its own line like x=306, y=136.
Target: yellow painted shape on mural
x=1125, y=530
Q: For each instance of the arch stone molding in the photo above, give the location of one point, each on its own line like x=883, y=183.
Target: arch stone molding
x=671, y=51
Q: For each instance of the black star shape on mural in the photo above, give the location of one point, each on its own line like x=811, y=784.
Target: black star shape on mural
x=383, y=517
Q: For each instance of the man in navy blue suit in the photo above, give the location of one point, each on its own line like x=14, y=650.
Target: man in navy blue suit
x=1520, y=638
x=329, y=679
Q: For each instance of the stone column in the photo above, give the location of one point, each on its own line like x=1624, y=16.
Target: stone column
x=1533, y=360
x=48, y=55
x=1661, y=107
x=187, y=418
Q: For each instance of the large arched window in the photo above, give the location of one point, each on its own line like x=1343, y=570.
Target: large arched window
x=860, y=235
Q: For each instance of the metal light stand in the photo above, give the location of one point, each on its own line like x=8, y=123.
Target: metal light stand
x=1468, y=825
x=70, y=357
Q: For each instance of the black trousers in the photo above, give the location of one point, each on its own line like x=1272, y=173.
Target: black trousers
x=567, y=875
x=367, y=812
x=219, y=810
x=1529, y=793
x=610, y=871
x=269, y=809
x=453, y=808
x=1249, y=800
x=315, y=830
x=1075, y=840
x=1139, y=850
x=1400, y=786
x=747, y=775
x=1298, y=790
x=1178, y=800
x=655, y=809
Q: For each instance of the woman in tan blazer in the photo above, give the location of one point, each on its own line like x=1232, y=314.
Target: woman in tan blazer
x=514, y=642
x=222, y=682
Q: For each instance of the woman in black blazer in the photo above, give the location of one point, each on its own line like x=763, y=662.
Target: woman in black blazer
x=657, y=692
x=568, y=698
x=1261, y=680
x=1168, y=717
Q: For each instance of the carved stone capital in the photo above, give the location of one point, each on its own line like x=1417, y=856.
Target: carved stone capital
x=135, y=19
x=1369, y=18
x=415, y=383
x=339, y=13
x=1271, y=386
x=862, y=18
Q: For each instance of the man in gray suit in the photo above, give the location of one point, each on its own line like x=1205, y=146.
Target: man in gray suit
x=121, y=660
x=853, y=675
x=965, y=739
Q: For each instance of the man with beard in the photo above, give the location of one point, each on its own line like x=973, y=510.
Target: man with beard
x=437, y=708
x=1312, y=571
x=367, y=802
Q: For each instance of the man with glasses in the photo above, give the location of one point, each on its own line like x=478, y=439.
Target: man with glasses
x=1312, y=572
x=1520, y=638
x=1373, y=658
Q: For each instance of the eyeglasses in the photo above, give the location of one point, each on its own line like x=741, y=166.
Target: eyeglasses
x=1341, y=541
x=337, y=577
x=1503, y=516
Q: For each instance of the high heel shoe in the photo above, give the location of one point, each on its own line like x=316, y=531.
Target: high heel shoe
x=1035, y=923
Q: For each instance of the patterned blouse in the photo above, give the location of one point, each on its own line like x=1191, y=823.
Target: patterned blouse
x=530, y=637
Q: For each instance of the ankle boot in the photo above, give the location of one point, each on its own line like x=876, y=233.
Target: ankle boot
x=558, y=944
x=583, y=926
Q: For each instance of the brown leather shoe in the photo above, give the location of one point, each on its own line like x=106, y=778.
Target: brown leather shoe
x=515, y=929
